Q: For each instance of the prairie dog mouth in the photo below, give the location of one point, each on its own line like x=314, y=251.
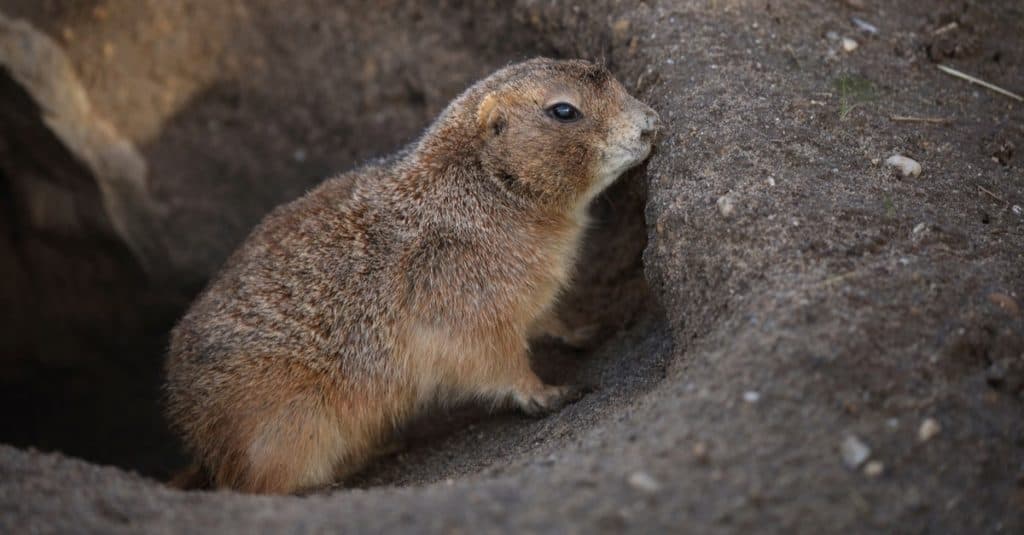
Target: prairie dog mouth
x=623, y=156
x=616, y=160
x=625, y=151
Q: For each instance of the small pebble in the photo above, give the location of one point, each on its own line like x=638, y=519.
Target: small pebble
x=751, y=396
x=299, y=155
x=919, y=228
x=726, y=205
x=864, y=25
x=906, y=166
x=854, y=452
x=849, y=45
x=874, y=469
x=700, y=452
x=1017, y=210
x=831, y=35
x=644, y=482
x=929, y=428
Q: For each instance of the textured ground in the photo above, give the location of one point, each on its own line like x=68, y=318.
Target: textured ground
x=769, y=288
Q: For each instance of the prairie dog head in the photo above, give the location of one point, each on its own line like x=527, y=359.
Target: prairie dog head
x=560, y=132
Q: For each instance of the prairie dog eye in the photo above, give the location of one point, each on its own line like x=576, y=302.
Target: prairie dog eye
x=564, y=112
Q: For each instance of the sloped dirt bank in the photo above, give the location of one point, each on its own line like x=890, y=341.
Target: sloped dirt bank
x=826, y=297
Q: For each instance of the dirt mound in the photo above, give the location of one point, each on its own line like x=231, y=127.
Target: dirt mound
x=794, y=335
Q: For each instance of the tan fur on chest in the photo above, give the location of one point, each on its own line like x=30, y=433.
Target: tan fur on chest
x=443, y=361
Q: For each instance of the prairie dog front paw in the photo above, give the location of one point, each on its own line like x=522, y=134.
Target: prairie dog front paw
x=547, y=399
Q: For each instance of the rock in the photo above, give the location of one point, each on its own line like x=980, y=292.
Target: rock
x=726, y=205
x=929, y=428
x=644, y=482
x=751, y=396
x=874, y=469
x=854, y=452
x=849, y=45
x=864, y=26
x=906, y=166
x=1017, y=210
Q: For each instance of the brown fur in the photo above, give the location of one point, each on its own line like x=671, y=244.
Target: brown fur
x=412, y=280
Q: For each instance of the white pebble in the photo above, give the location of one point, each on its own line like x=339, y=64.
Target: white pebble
x=929, y=428
x=1017, y=210
x=726, y=205
x=644, y=482
x=751, y=396
x=907, y=166
x=854, y=452
x=864, y=26
x=849, y=45
x=874, y=469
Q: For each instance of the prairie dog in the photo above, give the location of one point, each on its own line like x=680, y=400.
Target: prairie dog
x=414, y=279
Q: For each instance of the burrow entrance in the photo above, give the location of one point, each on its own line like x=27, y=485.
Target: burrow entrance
x=236, y=107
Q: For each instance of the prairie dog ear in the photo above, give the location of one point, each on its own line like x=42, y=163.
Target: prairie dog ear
x=490, y=118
